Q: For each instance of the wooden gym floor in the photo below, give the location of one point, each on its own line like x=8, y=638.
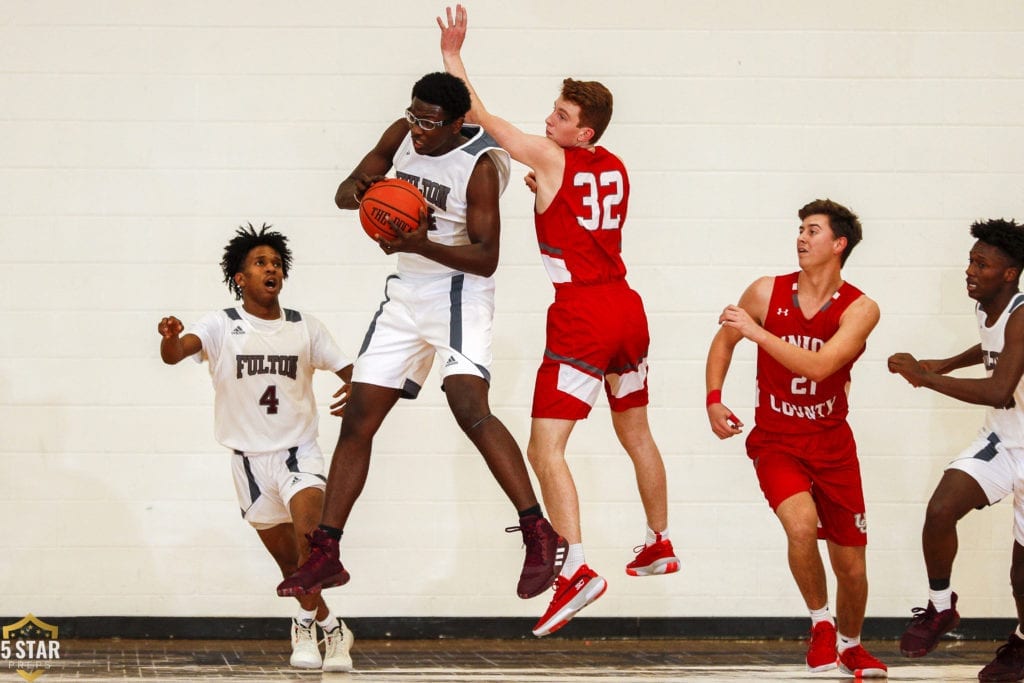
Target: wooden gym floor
x=591, y=661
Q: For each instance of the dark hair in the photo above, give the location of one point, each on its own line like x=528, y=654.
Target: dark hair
x=1005, y=235
x=444, y=90
x=844, y=222
x=244, y=241
x=594, y=101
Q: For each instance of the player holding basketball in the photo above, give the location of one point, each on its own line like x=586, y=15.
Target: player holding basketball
x=441, y=302
x=596, y=329
x=989, y=469
x=809, y=326
x=262, y=358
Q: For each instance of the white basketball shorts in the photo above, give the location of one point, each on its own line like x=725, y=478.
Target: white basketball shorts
x=999, y=471
x=450, y=317
x=266, y=482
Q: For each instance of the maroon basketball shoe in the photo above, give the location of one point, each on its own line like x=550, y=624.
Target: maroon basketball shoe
x=545, y=555
x=322, y=570
x=926, y=628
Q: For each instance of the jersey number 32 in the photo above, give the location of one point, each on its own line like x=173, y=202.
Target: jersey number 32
x=602, y=196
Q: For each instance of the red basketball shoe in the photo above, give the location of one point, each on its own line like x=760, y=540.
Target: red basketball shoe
x=571, y=595
x=657, y=558
x=821, y=648
x=859, y=663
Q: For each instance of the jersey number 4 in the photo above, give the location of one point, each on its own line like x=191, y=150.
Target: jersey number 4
x=602, y=196
x=270, y=400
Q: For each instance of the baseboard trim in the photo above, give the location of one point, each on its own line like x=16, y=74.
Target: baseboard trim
x=432, y=628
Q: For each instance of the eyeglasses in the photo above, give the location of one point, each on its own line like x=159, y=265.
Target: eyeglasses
x=425, y=124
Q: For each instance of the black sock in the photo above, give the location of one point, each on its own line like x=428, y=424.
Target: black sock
x=331, y=531
x=535, y=511
x=938, y=584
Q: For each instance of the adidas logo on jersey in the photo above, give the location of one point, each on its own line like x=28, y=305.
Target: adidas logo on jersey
x=451, y=361
x=238, y=330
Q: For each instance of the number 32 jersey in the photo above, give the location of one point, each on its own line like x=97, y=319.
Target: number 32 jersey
x=580, y=233
x=262, y=372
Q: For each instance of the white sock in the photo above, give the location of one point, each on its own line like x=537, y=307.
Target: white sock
x=329, y=623
x=820, y=615
x=653, y=537
x=942, y=599
x=844, y=643
x=304, y=617
x=573, y=560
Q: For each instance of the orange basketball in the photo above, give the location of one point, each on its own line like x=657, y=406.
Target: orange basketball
x=390, y=200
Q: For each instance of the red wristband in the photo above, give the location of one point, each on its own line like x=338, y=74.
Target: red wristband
x=714, y=396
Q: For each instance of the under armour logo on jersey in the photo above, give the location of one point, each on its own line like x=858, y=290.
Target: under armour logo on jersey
x=782, y=311
x=238, y=330
x=451, y=361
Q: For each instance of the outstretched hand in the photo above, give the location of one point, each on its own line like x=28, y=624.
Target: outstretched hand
x=453, y=31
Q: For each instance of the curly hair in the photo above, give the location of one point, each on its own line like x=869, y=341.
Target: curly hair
x=844, y=222
x=244, y=241
x=1005, y=235
x=444, y=90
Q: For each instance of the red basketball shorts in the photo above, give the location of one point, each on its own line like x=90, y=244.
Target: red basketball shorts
x=596, y=336
x=824, y=464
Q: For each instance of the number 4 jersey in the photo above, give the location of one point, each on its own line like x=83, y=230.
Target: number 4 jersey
x=262, y=373
x=580, y=233
x=787, y=403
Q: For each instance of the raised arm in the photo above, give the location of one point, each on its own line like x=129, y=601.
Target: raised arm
x=542, y=155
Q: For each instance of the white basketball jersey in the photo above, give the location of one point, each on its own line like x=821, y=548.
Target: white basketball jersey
x=262, y=373
x=1007, y=423
x=442, y=180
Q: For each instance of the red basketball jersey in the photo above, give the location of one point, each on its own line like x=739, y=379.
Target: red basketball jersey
x=580, y=233
x=788, y=403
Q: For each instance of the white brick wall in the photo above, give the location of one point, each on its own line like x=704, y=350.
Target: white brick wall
x=136, y=135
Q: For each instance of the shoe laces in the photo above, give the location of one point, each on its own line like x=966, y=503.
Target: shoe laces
x=305, y=633
x=317, y=551
x=923, y=614
x=532, y=542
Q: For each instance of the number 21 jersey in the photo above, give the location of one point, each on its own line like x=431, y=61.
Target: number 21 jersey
x=787, y=403
x=580, y=233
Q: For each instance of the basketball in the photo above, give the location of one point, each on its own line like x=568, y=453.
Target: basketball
x=387, y=200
